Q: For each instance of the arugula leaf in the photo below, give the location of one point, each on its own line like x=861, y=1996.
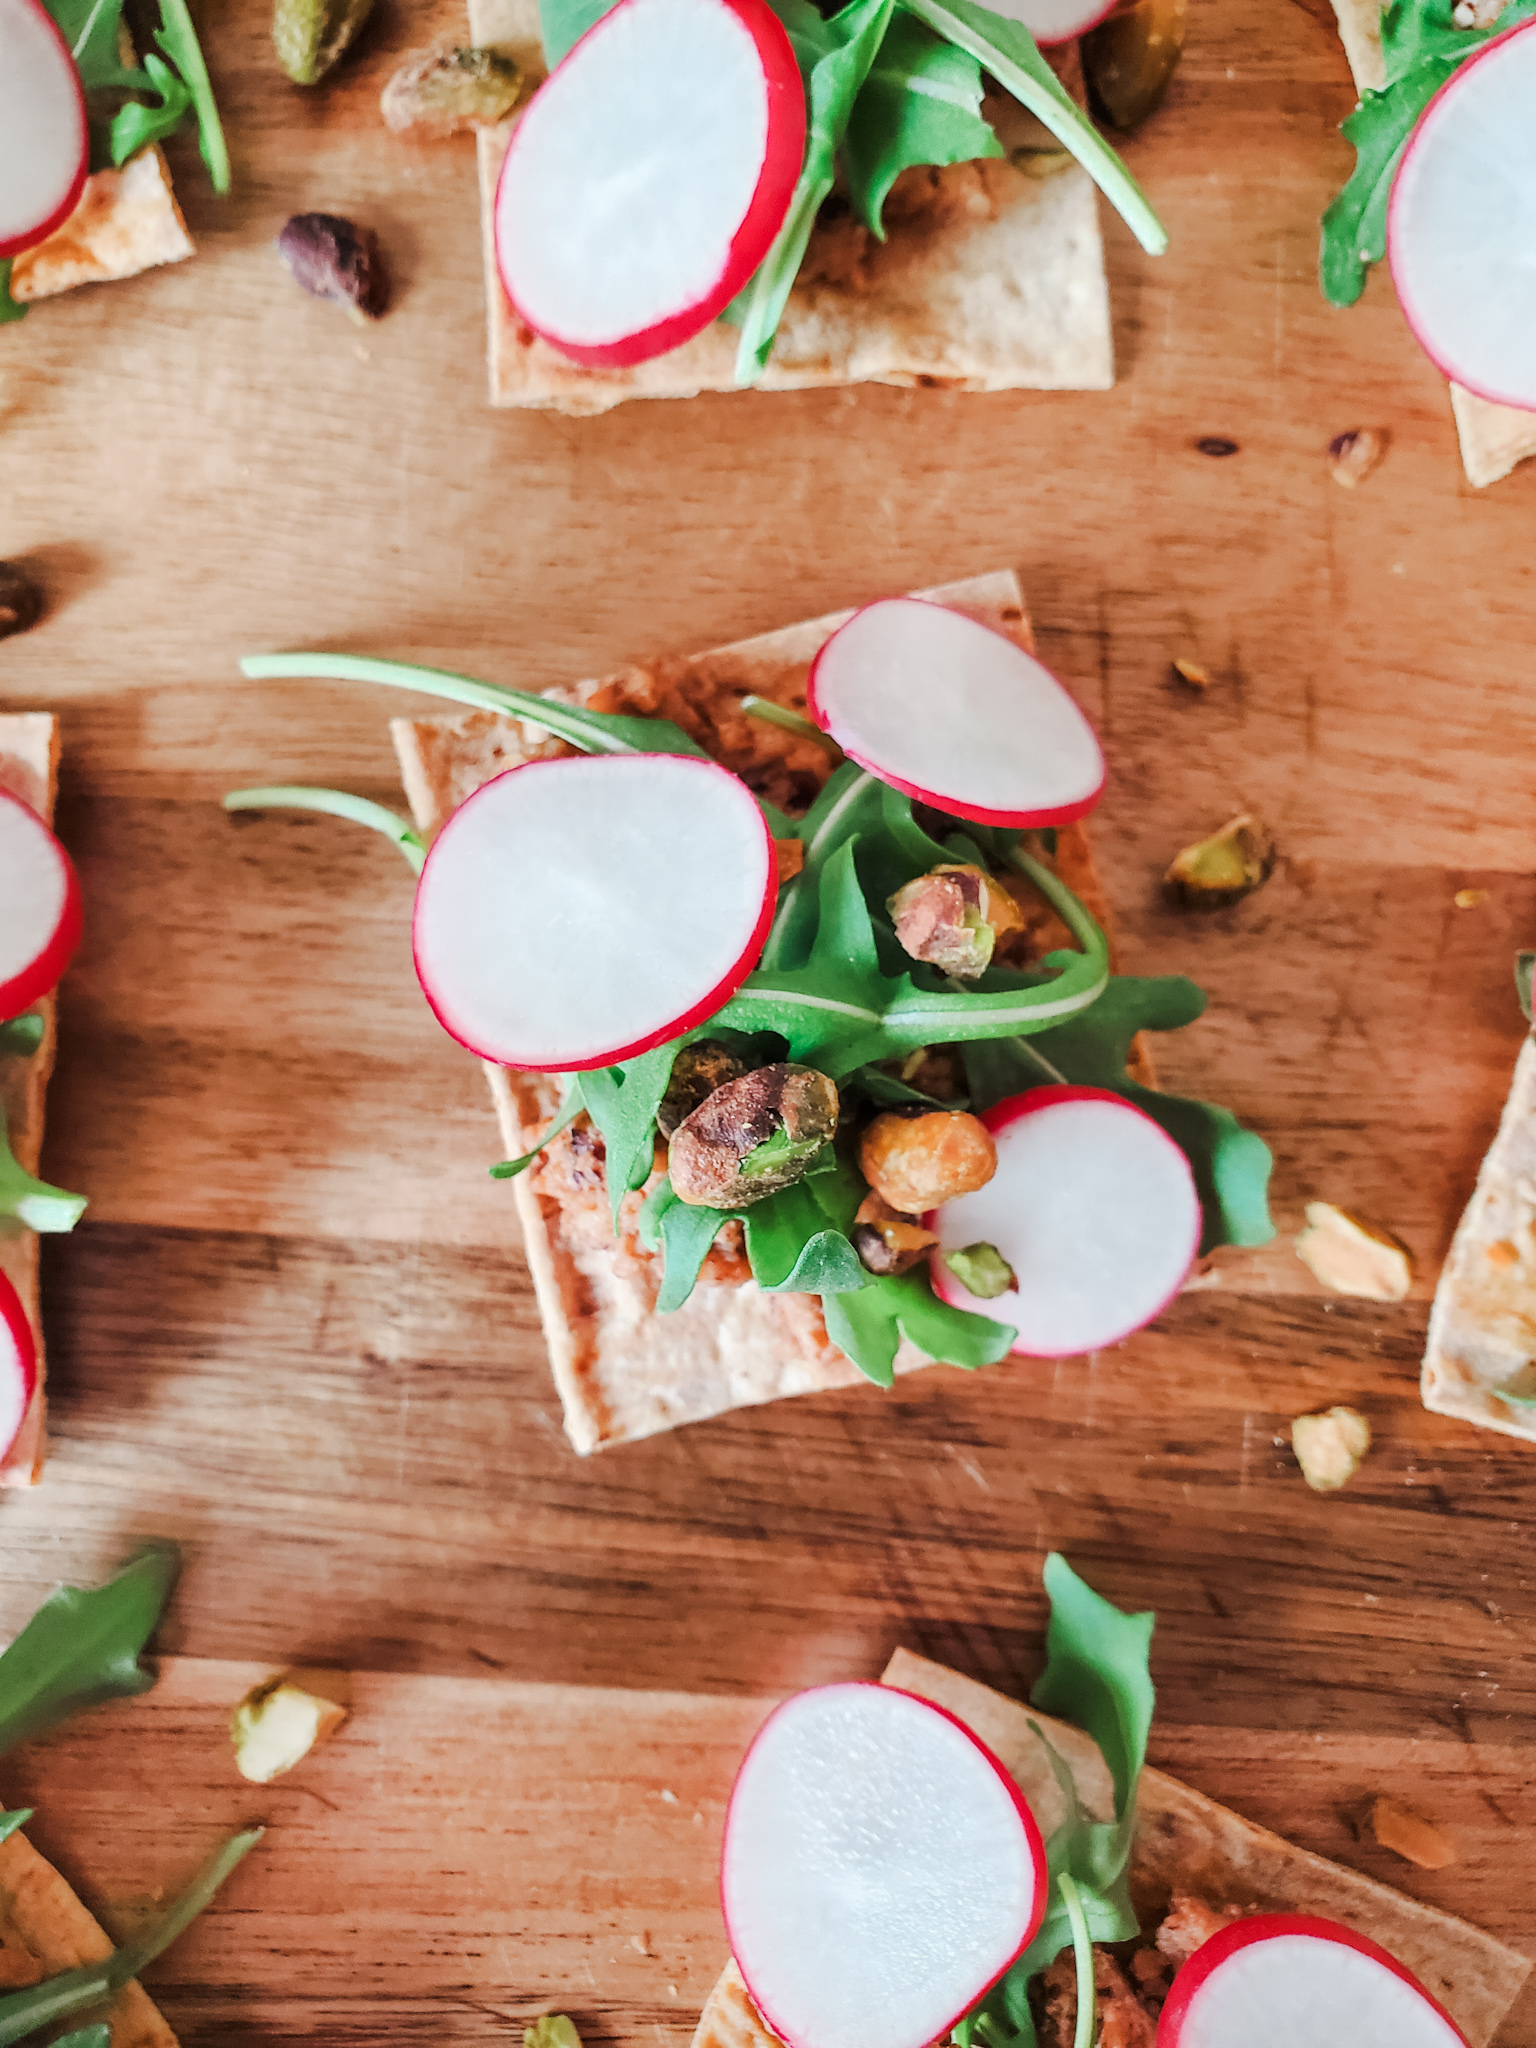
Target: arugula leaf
x=83, y=1647
x=623, y=1102
x=868, y=1327
x=57, y=1998
x=563, y=23
x=686, y=1236
x=29, y=1201
x=1421, y=47
x=21, y=1036
x=87, y=2037
x=1007, y=50
x=920, y=104
x=10, y=309
x=1096, y=1675
x=572, y=1104
x=792, y=1249
x=335, y=803
x=93, y=30
x=853, y=39
x=135, y=125
x=10, y=1822
x=178, y=39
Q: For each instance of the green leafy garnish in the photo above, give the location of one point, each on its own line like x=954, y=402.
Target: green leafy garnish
x=29, y=1201
x=1421, y=47
x=10, y=308
x=868, y=1327
x=10, y=1822
x=128, y=107
x=921, y=104
x=86, y=2037
x=572, y=1104
x=21, y=1036
x=57, y=1998
x=554, y=2030
x=335, y=803
x=1097, y=1676
x=81, y=1648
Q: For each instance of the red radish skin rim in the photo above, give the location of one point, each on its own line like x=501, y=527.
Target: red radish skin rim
x=1478, y=389
x=46, y=970
x=30, y=237
x=19, y=1325
x=1043, y=42
x=704, y=1009
x=1013, y=1109
x=1240, y=1934
x=1032, y=1836
x=977, y=814
x=759, y=224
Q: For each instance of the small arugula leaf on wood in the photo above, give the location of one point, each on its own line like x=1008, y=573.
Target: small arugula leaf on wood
x=21, y=1036
x=32, y=1202
x=335, y=803
x=920, y=104
x=10, y=1822
x=10, y=308
x=82, y=1647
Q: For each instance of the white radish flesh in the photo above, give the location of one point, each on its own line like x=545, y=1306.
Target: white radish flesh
x=880, y=1870
x=1278, y=1980
x=18, y=1365
x=649, y=175
x=39, y=908
x=1462, y=223
x=44, y=147
x=576, y=912
x=1054, y=21
x=1093, y=1206
x=950, y=712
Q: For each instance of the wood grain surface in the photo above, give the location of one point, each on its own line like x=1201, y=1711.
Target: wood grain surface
x=295, y=1330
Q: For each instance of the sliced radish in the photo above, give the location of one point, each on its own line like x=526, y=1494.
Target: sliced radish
x=1054, y=21
x=1462, y=223
x=576, y=912
x=44, y=147
x=1093, y=1206
x=880, y=1869
x=1278, y=1980
x=951, y=713
x=649, y=175
x=39, y=906
x=18, y=1365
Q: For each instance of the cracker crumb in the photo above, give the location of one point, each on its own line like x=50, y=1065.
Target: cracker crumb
x=1194, y=673
x=1352, y=456
x=1330, y=1446
x=1469, y=899
x=1409, y=1835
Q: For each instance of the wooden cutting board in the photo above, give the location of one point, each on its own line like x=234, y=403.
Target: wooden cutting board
x=295, y=1330
x=469, y=1853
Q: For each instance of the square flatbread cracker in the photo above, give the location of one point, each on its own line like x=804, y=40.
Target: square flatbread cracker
x=44, y=1930
x=622, y=1371
x=127, y=221
x=991, y=280
x=29, y=768
x=1186, y=1842
x=1482, y=1328
x=1493, y=437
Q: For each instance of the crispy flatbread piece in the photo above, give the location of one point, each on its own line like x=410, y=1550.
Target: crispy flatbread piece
x=990, y=280
x=1493, y=437
x=29, y=768
x=622, y=1371
x=1186, y=1842
x=127, y=221
x=44, y=1929
x=1482, y=1328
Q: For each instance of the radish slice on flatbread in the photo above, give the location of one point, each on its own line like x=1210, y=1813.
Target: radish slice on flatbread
x=1462, y=223
x=576, y=912
x=649, y=175
x=1093, y=1206
x=1276, y=1980
x=39, y=906
x=951, y=713
x=44, y=145
x=880, y=1870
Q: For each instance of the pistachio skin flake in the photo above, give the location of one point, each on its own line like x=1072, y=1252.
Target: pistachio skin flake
x=752, y=1137
x=887, y=1243
x=333, y=258
x=311, y=36
x=1217, y=872
x=449, y=88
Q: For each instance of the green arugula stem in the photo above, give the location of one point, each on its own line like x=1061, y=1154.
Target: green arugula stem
x=1082, y=1948
x=334, y=803
x=30, y=1201
x=766, y=712
x=572, y=1104
x=1023, y=1044
x=178, y=38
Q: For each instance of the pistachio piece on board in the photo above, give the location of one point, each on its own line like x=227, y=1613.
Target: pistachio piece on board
x=1330, y=1446
x=310, y=36
x=278, y=1723
x=1352, y=1256
x=1129, y=59
x=444, y=90
x=1222, y=870
x=336, y=259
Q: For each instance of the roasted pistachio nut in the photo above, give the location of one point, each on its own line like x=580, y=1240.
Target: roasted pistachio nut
x=1223, y=869
x=311, y=35
x=449, y=88
x=752, y=1137
x=21, y=600
x=885, y=1242
x=1129, y=59
x=952, y=917
x=914, y=1163
x=982, y=1270
x=336, y=259
x=698, y=1070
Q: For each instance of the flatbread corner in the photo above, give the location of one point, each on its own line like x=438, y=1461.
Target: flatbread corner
x=127, y=221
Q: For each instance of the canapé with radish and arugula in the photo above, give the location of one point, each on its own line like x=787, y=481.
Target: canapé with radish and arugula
x=40, y=924
x=1444, y=188
x=886, y=1883
x=672, y=167
x=878, y=1044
